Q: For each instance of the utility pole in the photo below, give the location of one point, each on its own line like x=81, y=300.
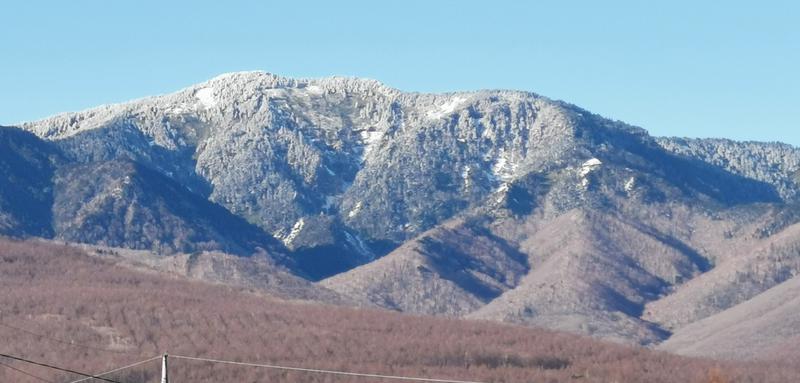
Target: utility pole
x=164, y=376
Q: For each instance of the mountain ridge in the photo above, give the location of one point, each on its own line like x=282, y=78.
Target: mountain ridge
x=501, y=205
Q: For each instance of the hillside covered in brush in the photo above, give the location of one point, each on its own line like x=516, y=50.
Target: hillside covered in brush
x=90, y=313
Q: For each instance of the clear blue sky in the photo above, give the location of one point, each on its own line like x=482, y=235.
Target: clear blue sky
x=685, y=68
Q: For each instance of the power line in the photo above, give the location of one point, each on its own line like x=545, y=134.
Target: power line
x=117, y=369
x=319, y=371
x=69, y=343
x=26, y=373
x=57, y=368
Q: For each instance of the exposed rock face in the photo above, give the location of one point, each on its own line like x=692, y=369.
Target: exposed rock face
x=495, y=205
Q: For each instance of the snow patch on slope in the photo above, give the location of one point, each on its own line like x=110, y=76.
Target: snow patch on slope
x=275, y=93
x=586, y=168
x=446, y=108
x=500, y=193
x=370, y=139
x=590, y=166
x=503, y=168
x=630, y=184
x=315, y=90
x=296, y=229
x=465, y=174
x=355, y=210
x=206, y=97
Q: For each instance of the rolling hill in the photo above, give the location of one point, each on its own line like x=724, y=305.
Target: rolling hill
x=91, y=313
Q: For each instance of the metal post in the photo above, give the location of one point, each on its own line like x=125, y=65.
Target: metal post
x=164, y=376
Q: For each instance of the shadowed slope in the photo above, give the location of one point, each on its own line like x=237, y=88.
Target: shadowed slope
x=123, y=204
x=451, y=270
x=27, y=165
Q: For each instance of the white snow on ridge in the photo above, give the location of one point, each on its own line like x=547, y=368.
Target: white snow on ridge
x=501, y=193
x=355, y=210
x=503, y=169
x=447, y=108
x=630, y=184
x=465, y=174
x=369, y=139
x=590, y=166
x=275, y=93
x=592, y=162
x=315, y=90
x=500, y=164
x=206, y=97
x=298, y=226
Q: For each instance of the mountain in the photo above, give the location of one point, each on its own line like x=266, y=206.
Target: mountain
x=761, y=328
x=451, y=270
x=498, y=205
x=757, y=266
x=121, y=203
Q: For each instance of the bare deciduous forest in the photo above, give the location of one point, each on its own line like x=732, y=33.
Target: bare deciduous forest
x=125, y=316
